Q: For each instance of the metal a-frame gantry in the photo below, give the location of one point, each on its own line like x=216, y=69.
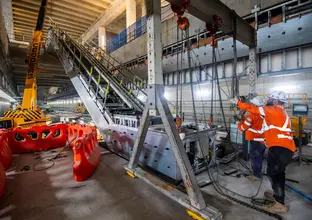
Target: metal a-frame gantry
x=193, y=201
x=156, y=104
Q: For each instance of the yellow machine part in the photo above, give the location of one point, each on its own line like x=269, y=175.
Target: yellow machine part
x=26, y=117
x=80, y=108
x=295, y=124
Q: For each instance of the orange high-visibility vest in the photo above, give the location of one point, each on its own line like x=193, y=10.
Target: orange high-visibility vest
x=253, y=125
x=277, y=128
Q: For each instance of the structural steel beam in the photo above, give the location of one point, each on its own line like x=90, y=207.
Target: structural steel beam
x=116, y=8
x=205, y=10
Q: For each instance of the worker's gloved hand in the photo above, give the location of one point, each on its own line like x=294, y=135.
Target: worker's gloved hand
x=234, y=101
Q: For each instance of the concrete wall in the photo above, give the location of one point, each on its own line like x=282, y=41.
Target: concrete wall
x=243, y=7
x=138, y=47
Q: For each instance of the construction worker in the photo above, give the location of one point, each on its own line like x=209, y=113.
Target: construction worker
x=252, y=124
x=279, y=140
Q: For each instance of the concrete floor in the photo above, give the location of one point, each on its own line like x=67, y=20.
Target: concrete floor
x=111, y=195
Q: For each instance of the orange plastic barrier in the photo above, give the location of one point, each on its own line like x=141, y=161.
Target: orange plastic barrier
x=37, y=138
x=86, y=150
x=2, y=180
x=5, y=150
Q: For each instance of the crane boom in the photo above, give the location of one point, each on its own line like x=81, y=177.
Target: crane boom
x=30, y=90
x=29, y=114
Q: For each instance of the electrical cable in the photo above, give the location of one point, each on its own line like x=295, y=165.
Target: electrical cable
x=51, y=159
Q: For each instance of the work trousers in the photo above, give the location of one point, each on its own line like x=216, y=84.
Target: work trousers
x=278, y=159
x=256, y=154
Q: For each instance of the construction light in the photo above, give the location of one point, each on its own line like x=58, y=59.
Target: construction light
x=142, y=97
x=166, y=95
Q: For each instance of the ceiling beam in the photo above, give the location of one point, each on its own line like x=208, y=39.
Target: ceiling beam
x=64, y=24
x=99, y=3
x=68, y=11
x=18, y=14
x=64, y=5
x=73, y=18
x=108, y=16
x=86, y=5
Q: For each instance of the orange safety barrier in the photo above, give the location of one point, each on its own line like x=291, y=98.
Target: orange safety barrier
x=37, y=138
x=2, y=180
x=5, y=150
x=86, y=150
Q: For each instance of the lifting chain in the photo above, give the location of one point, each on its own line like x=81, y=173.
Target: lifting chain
x=182, y=22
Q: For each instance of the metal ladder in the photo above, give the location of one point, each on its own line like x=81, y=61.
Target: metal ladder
x=106, y=85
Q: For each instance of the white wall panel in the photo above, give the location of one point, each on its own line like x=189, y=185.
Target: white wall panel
x=276, y=62
x=203, y=75
x=228, y=69
x=240, y=67
x=220, y=71
x=291, y=59
x=187, y=77
x=170, y=82
x=264, y=64
x=307, y=57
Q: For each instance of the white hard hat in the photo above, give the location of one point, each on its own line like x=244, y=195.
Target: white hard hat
x=258, y=101
x=279, y=95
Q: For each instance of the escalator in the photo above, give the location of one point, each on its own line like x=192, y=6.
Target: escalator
x=102, y=86
x=112, y=96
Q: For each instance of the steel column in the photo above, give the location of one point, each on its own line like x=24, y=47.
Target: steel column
x=139, y=141
x=154, y=53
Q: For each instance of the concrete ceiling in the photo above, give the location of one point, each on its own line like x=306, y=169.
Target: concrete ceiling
x=73, y=16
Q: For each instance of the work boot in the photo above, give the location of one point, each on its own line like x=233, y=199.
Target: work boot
x=276, y=208
x=253, y=178
x=269, y=195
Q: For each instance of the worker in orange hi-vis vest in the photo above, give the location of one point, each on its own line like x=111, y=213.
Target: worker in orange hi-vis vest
x=252, y=125
x=279, y=140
